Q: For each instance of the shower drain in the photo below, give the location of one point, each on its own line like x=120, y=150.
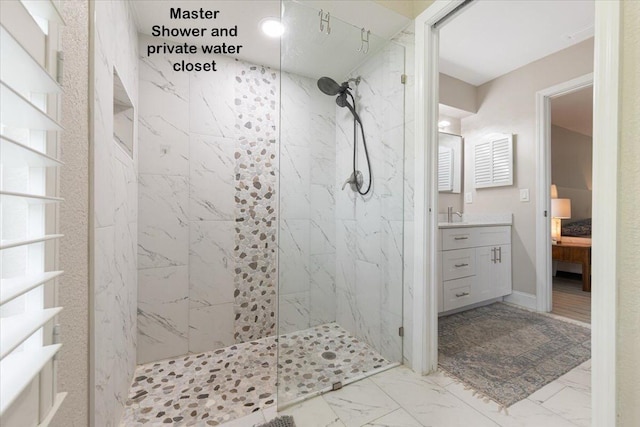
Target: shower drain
x=328, y=355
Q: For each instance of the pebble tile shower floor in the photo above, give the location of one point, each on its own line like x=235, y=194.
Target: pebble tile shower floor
x=218, y=386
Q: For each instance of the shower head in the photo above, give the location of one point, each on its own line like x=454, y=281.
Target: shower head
x=330, y=87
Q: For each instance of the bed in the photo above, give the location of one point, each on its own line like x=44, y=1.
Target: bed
x=577, y=229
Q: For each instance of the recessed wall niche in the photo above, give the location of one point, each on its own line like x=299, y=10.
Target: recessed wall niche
x=122, y=115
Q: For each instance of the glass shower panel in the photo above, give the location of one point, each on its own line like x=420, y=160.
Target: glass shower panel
x=340, y=256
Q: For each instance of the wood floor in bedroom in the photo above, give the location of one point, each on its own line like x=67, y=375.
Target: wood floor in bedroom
x=569, y=300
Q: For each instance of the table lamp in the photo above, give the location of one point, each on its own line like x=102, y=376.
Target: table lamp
x=560, y=209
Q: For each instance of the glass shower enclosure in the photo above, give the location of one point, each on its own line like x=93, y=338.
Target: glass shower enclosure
x=340, y=253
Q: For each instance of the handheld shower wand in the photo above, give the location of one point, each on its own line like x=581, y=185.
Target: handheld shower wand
x=342, y=101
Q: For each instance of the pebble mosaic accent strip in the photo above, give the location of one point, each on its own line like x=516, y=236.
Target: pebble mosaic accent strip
x=209, y=389
x=256, y=202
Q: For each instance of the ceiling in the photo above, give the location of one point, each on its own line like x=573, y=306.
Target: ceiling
x=524, y=30
x=313, y=53
x=574, y=111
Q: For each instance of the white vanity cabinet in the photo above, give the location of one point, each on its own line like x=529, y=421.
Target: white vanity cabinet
x=475, y=265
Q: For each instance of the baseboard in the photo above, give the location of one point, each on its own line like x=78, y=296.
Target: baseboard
x=522, y=299
x=470, y=306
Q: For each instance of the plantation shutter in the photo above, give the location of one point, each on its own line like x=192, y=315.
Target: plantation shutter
x=445, y=169
x=30, y=95
x=493, y=161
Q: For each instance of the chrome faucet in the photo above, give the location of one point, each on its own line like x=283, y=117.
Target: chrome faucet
x=450, y=213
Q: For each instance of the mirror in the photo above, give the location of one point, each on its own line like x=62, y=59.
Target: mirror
x=449, y=163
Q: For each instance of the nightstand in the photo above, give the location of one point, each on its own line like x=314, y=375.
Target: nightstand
x=576, y=253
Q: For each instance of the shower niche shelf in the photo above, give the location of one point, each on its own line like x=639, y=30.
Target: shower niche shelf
x=123, y=115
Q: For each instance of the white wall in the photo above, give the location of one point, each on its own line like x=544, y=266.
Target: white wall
x=571, y=169
x=458, y=94
x=628, y=339
x=114, y=216
x=507, y=105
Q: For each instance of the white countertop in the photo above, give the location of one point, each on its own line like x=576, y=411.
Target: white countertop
x=471, y=224
x=476, y=220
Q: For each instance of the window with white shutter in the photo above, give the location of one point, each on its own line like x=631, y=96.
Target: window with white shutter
x=445, y=169
x=493, y=161
x=30, y=95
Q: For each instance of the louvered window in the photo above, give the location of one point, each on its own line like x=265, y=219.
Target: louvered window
x=493, y=161
x=445, y=169
x=29, y=134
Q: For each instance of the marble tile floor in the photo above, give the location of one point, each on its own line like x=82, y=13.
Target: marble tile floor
x=226, y=384
x=400, y=398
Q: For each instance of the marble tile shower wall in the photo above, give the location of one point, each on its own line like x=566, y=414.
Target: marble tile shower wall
x=369, y=234
x=208, y=203
x=115, y=189
x=307, y=206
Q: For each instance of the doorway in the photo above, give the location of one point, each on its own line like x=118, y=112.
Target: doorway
x=544, y=242
x=606, y=83
x=571, y=155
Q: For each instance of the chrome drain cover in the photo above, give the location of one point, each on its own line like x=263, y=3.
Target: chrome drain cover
x=328, y=355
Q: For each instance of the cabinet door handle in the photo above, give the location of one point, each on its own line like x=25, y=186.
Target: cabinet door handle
x=462, y=294
x=460, y=238
x=461, y=265
x=493, y=255
x=500, y=254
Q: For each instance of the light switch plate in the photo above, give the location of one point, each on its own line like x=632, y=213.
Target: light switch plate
x=468, y=197
x=524, y=194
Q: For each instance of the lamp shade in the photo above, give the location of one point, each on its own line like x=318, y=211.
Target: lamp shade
x=554, y=191
x=561, y=208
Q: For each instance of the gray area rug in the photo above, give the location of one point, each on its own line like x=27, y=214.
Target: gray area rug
x=505, y=353
x=284, y=421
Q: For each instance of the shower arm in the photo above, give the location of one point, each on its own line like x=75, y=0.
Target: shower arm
x=356, y=80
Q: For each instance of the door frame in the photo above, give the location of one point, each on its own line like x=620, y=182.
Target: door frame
x=543, y=178
x=605, y=183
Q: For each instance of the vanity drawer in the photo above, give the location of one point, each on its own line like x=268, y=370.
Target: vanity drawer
x=493, y=236
x=473, y=237
x=458, y=293
x=458, y=263
x=458, y=238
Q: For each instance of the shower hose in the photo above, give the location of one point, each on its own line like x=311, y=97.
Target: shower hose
x=356, y=122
